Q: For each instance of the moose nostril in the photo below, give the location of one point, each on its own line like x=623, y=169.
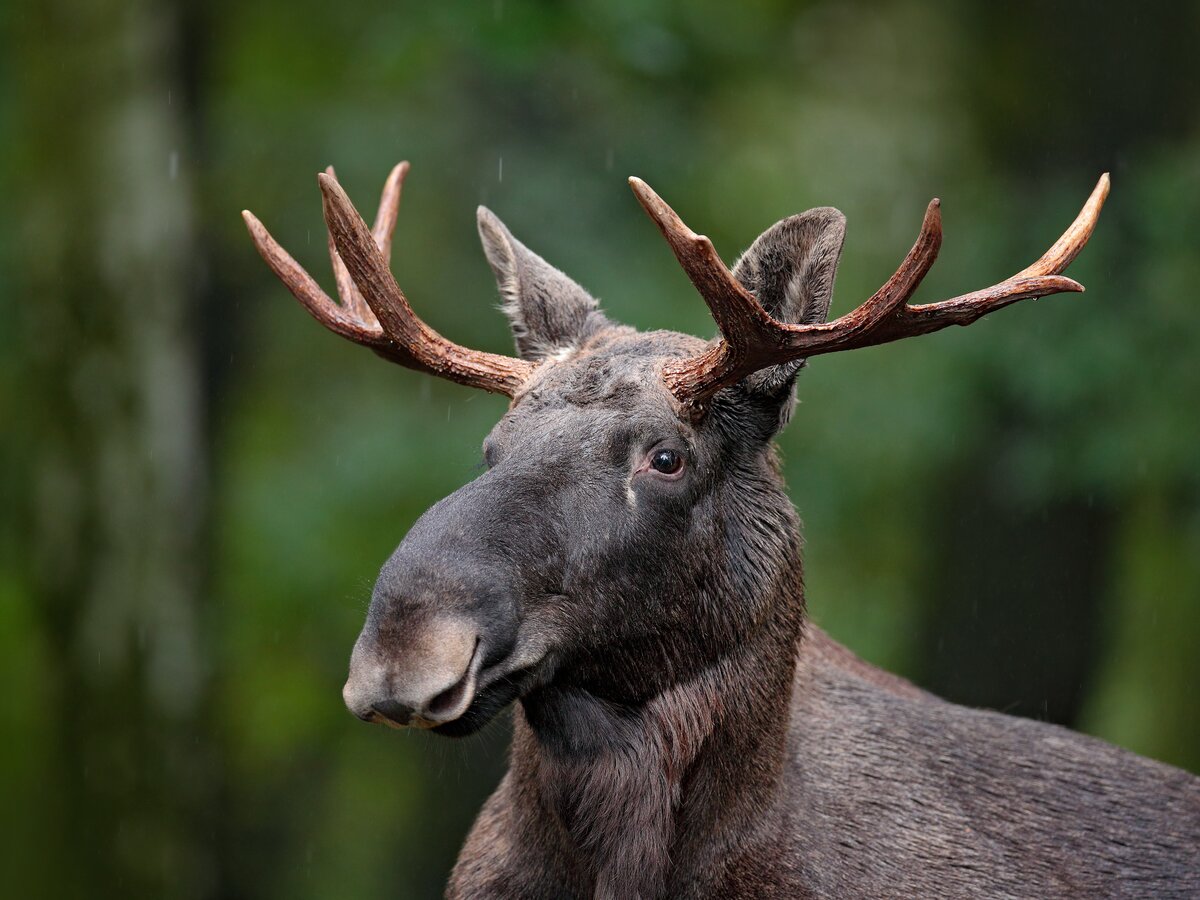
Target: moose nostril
x=393, y=711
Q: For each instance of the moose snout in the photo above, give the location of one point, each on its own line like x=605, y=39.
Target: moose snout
x=423, y=677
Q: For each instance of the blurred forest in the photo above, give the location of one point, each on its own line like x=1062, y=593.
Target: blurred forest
x=198, y=483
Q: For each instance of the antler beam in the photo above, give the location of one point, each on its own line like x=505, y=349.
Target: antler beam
x=751, y=339
x=374, y=311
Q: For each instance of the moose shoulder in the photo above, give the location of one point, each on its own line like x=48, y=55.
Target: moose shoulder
x=628, y=570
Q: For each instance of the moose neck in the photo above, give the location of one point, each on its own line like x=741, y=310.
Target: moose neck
x=641, y=794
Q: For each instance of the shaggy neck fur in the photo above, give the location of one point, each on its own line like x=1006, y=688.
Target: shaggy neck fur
x=650, y=799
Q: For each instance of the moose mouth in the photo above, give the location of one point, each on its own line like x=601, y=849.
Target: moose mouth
x=496, y=687
x=451, y=703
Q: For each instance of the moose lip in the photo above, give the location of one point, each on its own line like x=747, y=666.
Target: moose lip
x=500, y=684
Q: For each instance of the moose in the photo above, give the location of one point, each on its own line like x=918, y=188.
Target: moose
x=627, y=572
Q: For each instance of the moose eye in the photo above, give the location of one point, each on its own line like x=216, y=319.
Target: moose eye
x=666, y=461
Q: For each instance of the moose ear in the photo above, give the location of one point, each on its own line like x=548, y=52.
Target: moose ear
x=546, y=310
x=790, y=269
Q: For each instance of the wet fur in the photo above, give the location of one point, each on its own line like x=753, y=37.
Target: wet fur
x=876, y=789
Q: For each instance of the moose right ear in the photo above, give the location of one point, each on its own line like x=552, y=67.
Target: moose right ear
x=790, y=269
x=547, y=311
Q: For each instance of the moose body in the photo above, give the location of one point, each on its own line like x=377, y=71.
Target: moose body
x=628, y=571
x=878, y=791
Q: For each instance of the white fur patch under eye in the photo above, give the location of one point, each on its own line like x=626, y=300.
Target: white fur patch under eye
x=562, y=354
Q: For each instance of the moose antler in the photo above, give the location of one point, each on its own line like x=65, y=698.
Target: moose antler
x=752, y=339
x=374, y=311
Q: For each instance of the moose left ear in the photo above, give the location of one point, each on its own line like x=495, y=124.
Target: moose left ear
x=790, y=269
x=547, y=310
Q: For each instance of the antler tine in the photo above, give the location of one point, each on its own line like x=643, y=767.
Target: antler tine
x=886, y=303
x=305, y=289
x=389, y=207
x=410, y=341
x=1067, y=247
x=385, y=226
x=1041, y=279
x=733, y=307
x=749, y=335
x=351, y=299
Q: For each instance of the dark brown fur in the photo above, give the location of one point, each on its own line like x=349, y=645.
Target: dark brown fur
x=874, y=789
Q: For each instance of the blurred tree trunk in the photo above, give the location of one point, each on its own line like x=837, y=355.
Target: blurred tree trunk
x=116, y=545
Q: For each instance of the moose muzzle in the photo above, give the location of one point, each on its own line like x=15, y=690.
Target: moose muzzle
x=432, y=682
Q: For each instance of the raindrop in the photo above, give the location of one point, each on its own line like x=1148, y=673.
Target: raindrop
x=500, y=170
x=173, y=165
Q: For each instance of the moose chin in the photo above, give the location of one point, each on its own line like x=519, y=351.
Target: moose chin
x=627, y=570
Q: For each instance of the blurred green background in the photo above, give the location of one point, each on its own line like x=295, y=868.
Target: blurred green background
x=198, y=483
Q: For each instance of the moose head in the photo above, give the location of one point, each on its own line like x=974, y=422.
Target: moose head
x=632, y=528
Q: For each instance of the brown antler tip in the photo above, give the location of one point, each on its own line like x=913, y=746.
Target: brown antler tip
x=673, y=228
x=258, y=231
x=332, y=192
x=1057, y=284
x=646, y=196
x=933, y=219
x=1099, y=193
x=1098, y=196
x=651, y=202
